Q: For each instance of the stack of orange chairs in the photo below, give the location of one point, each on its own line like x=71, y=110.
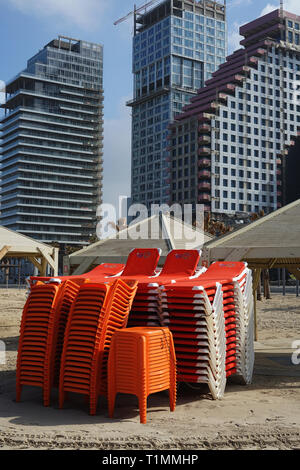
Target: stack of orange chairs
x=98, y=311
x=69, y=293
x=41, y=332
x=141, y=362
x=179, y=265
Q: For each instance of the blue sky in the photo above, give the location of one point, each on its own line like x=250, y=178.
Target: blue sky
x=27, y=25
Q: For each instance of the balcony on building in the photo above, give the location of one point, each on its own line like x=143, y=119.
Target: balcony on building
x=204, y=163
x=204, y=151
x=203, y=174
x=204, y=186
x=204, y=128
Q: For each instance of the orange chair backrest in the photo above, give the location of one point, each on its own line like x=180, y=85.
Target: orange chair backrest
x=142, y=262
x=181, y=263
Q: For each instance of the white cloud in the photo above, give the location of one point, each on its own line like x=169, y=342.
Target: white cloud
x=238, y=3
x=234, y=38
x=292, y=6
x=117, y=155
x=268, y=8
x=84, y=14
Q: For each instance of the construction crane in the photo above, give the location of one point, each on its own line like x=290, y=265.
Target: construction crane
x=136, y=10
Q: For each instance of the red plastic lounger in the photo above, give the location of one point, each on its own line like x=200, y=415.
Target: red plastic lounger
x=100, y=272
x=193, y=310
x=239, y=316
x=180, y=264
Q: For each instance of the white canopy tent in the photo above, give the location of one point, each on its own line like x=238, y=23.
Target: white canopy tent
x=270, y=242
x=159, y=231
x=16, y=245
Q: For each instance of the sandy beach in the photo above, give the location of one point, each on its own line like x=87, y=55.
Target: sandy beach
x=264, y=415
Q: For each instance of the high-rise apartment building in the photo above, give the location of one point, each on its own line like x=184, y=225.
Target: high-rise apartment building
x=228, y=146
x=177, y=45
x=52, y=140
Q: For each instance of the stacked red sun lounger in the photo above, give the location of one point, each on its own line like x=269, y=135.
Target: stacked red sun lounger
x=142, y=264
x=97, y=274
x=193, y=310
x=68, y=322
x=209, y=325
x=239, y=277
x=179, y=264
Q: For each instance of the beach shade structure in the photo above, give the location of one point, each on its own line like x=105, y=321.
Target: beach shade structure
x=98, y=311
x=193, y=311
x=141, y=362
x=41, y=335
x=179, y=264
x=97, y=274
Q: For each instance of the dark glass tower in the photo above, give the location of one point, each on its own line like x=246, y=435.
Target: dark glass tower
x=177, y=45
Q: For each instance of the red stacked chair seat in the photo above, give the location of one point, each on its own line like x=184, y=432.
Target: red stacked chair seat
x=42, y=333
x=81, y=339
x=99, y=310
x=67, y=298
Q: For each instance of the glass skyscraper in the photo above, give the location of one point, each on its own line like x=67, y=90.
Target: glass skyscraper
x=52, y=141
x=177, y=45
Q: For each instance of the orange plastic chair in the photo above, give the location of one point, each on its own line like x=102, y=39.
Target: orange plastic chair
x=141, y=362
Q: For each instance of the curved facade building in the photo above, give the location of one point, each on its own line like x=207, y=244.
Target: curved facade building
x=52, y=141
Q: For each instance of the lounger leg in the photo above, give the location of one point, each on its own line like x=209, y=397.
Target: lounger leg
x=62, y=396
x=143, y=409
x=172, y=396
x=111, y=404
x=18, y=394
